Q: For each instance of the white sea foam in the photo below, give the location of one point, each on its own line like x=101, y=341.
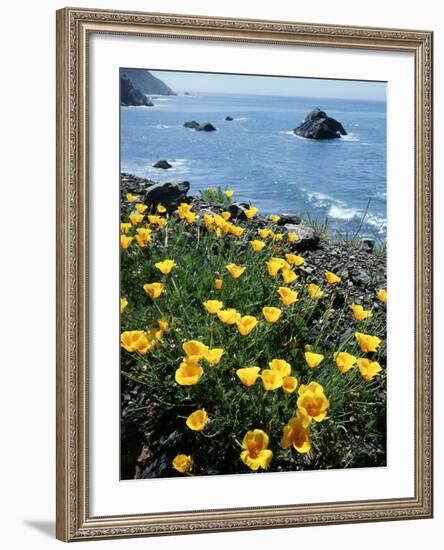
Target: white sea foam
x=351, y=136
x=342, y=213
x=241, y=119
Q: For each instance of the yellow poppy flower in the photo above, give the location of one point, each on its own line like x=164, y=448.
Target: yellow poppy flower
x=228, y=316
x=213, y=355
x=246, y=324
x=143, y=236
x=166, y=266
x=235, y=270
x=236, y=230
x=368, y=368
x=359, y=313
x=287, y=295
x=248, y=375
x=250, y=212
x=366, y=342
x=197, y=420
x=292, y=237
x=314, y=291
x=183, y=463
x=289, y=384
x=183, y=210
x=123, y=304
x=191, y=217
x=294, y=259
x=189, y=373
x=194, y=349
x=296, y=433
x=213, y=306
x=264, y=233
x=135, y=340
x=256, y=454
x=281, y=366
x=313, y=360
x=229, y=193
x=125, y=227
x=208, y=220
x=257, y=245
x=271, y=379
x=226, y=216
x=154, y=290
x=157, y=220
x=274, y=218
x=125, y=241
x=278, y=237
x=288, y=275
x=382, y=296
x=131, y=198
x=271, y=314
x=140, y=207
x=218, y=283
x=332, y=278
x=344, y=361
x=135, y=218
x=163, y=325
x=313, y=403
x=274, y=266
x=161, y=208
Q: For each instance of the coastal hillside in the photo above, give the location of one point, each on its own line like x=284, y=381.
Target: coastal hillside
x=129, y=95
x=146, y=82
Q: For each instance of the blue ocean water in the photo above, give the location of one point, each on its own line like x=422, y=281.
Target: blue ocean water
x=262, y=160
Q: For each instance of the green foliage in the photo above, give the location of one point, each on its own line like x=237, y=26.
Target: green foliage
x=215, y=196
x=353, y=434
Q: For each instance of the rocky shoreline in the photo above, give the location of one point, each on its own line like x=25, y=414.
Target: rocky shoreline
x=361, y=269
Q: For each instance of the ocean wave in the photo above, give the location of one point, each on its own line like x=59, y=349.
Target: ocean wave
x=163, y=126
x=322, y=200
x=351, y=136
x=241, y=119
x=348, y=214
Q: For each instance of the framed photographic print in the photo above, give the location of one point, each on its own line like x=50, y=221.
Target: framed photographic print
x=244, y=274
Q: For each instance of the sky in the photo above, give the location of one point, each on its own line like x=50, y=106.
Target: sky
x=272, y=85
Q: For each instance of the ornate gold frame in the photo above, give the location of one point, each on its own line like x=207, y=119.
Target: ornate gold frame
x=73, y=28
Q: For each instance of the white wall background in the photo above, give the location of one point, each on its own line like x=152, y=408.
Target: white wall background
x=27, y=305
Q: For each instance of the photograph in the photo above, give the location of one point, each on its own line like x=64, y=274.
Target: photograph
x=253, y=275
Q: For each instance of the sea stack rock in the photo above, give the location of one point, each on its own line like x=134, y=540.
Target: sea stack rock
x=129, y=95
x=192, y=124
x=204, y=127
x=318, y=125
x=164, y=164
x=228, y=117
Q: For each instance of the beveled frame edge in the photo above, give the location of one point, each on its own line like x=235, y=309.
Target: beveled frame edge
x=72, y=519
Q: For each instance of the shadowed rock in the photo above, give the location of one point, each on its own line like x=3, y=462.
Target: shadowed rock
x=129, y=95
x=228, y=117
x=308, y=238
x=318, y=125
x=164, y=164
x=204, y=127
x=169, y=194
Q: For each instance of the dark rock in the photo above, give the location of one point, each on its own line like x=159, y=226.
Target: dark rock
x=164, y=164
x=205, y=127
x=367, y=244
x=308, y=238
x=129, y=95
x=359, y=277
x=318, y=125
x=169, y=194
x=228, y=118
x=289, y=218
x=144, y=81
x=237, y=210
x=192, y=124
